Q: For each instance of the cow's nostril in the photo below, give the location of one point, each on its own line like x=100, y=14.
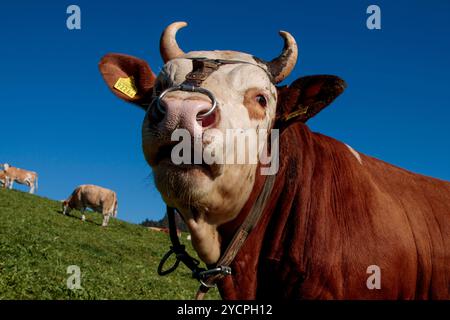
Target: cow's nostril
x=207, y=121
x=184, y=112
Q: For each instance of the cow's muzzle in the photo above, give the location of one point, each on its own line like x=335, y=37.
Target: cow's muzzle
x=188, y=88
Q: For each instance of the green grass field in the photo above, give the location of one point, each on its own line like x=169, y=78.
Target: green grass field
x=38, y=243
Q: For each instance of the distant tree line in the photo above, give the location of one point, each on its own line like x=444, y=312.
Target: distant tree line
x=164, y=223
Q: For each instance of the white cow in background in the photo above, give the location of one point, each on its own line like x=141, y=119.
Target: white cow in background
x=99, y=199
x=21, y=176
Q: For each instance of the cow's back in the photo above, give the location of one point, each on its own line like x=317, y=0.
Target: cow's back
x=97, y=198
x=20, y=175
x=420, y=208
x=365, y=212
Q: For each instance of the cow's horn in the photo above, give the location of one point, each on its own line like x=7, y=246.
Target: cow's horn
x=282, y=66
x=168, y=44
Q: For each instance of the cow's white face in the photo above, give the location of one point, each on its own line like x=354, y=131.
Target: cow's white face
x=65, y=207
x=246, y=100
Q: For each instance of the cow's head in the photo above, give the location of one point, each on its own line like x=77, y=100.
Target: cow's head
x=244, y=89
x=65, y=207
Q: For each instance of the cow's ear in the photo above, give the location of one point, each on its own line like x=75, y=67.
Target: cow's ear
x=129, y=78
x=307, y=96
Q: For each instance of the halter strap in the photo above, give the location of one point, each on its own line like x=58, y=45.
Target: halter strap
x=202, y=68
x=239, y=237
x=209, y=277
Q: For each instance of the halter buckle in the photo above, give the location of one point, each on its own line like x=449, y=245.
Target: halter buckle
x=220, y=270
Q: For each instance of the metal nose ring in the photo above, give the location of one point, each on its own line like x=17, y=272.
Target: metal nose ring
x=189, y=88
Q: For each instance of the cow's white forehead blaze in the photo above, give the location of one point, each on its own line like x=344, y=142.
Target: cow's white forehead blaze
x=234, y=85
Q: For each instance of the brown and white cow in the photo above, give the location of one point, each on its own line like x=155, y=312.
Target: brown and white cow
x=3, y=181
x=332, y=213
x=21, y=176
x=165, y=230
x=99, y=199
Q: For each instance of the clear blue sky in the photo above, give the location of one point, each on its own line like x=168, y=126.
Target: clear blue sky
x=58, y=117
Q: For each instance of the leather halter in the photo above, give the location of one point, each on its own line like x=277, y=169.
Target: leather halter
x=209, y=277
x=202, y=69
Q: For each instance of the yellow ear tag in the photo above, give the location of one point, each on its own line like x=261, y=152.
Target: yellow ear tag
x=126, y=86
x=297, y=113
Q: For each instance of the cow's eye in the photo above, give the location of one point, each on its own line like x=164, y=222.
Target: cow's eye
x=261, y=100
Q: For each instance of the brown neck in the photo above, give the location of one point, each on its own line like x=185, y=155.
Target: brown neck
x=291, y=173
x=228, y=229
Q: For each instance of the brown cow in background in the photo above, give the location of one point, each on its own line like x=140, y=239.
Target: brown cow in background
x=21, y=176
x=99, y=199
x=3, y=181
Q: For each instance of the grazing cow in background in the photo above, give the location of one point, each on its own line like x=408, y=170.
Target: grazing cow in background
x=165, y=230
x=328, y=218
x=3, y=182
x=21, y=176
x=155, y=229
x=99, y=199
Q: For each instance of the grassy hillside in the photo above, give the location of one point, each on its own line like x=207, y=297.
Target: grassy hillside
x=38, y=243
